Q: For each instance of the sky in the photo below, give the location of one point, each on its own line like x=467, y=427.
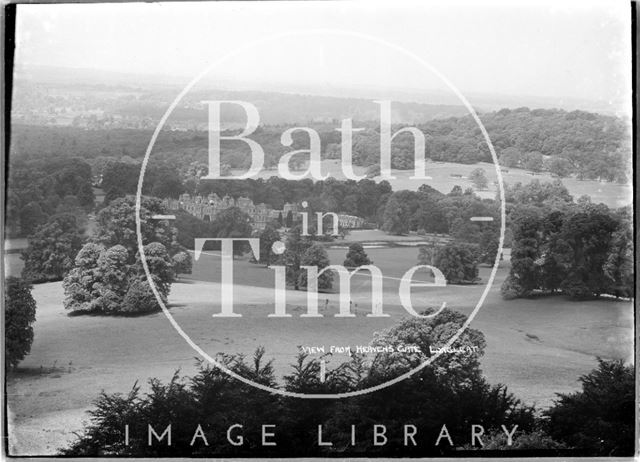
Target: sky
x=560, y=49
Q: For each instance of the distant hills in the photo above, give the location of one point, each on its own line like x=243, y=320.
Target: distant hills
x=278, y=103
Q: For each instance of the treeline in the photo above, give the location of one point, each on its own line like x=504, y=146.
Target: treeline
x=39, y=189
x=38, y=142
x=119, y=179
x=581, y=249
x=426, y=210
x=588, y=145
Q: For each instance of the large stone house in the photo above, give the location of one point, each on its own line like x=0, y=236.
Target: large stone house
x=206, y=208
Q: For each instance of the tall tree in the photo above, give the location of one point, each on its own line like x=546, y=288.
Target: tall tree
x=19, y=315
x=233, y=222
x=31, y=216
x=52, y=249
x=356, y=256
x=317, y=256
x=296, y=246
x=457, y=261
x=268, y=237
x=534, y=161
x=426, y=254
x=396, y=216
x=116, y=225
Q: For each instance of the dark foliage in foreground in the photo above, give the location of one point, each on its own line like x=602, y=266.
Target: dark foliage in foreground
x=451, y=391
x=601, y=417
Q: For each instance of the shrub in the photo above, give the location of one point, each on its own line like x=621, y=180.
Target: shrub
x=457, y=262
x=139, y=299
x=182, y=263
x=20, y=313
x=356, y=256
x=511, y=289
x=79, y=285
x=536, y=439
x=160, y=267
x=601, y=417
x=104, y=282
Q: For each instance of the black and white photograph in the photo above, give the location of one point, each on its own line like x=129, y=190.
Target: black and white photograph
x=319, y=229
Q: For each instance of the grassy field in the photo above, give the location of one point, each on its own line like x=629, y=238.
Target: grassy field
x=611, y=194
x=537, y=347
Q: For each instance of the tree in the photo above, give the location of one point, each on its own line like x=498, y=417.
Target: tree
x=31, y=217
x=587, y=236
x=52, y=249
x=618, y=267
x=189, y=228
x=317, y=256
x=426, y=333
x=70, y=205
x=601, y=417
x=139, y=299
x=119, y=179
x=478, y=177
x=426, y=255
x=116, y=225
x=296, y=246
x=289, y=220
x=268, y=237
x=396, y=216
x=19, y=315
x=81, y=285
x=457, y=262
x=182, y=263
x=510, y=157
x=430, y=215
x=533, y=161
x=164, y=181
x=456, y=191
x=537, y=439
x=524, y=275
x=356, y=256
x=113, y=282
x=488, y=246
x=233, y=222
x=511, y=288
x=160, y=267
x=104, y=282
x=559, y=166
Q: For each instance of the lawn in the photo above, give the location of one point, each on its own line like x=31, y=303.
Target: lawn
x=537, y=347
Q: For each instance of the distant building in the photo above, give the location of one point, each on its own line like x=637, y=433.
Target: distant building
x=206, y=208
x=350, y=221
